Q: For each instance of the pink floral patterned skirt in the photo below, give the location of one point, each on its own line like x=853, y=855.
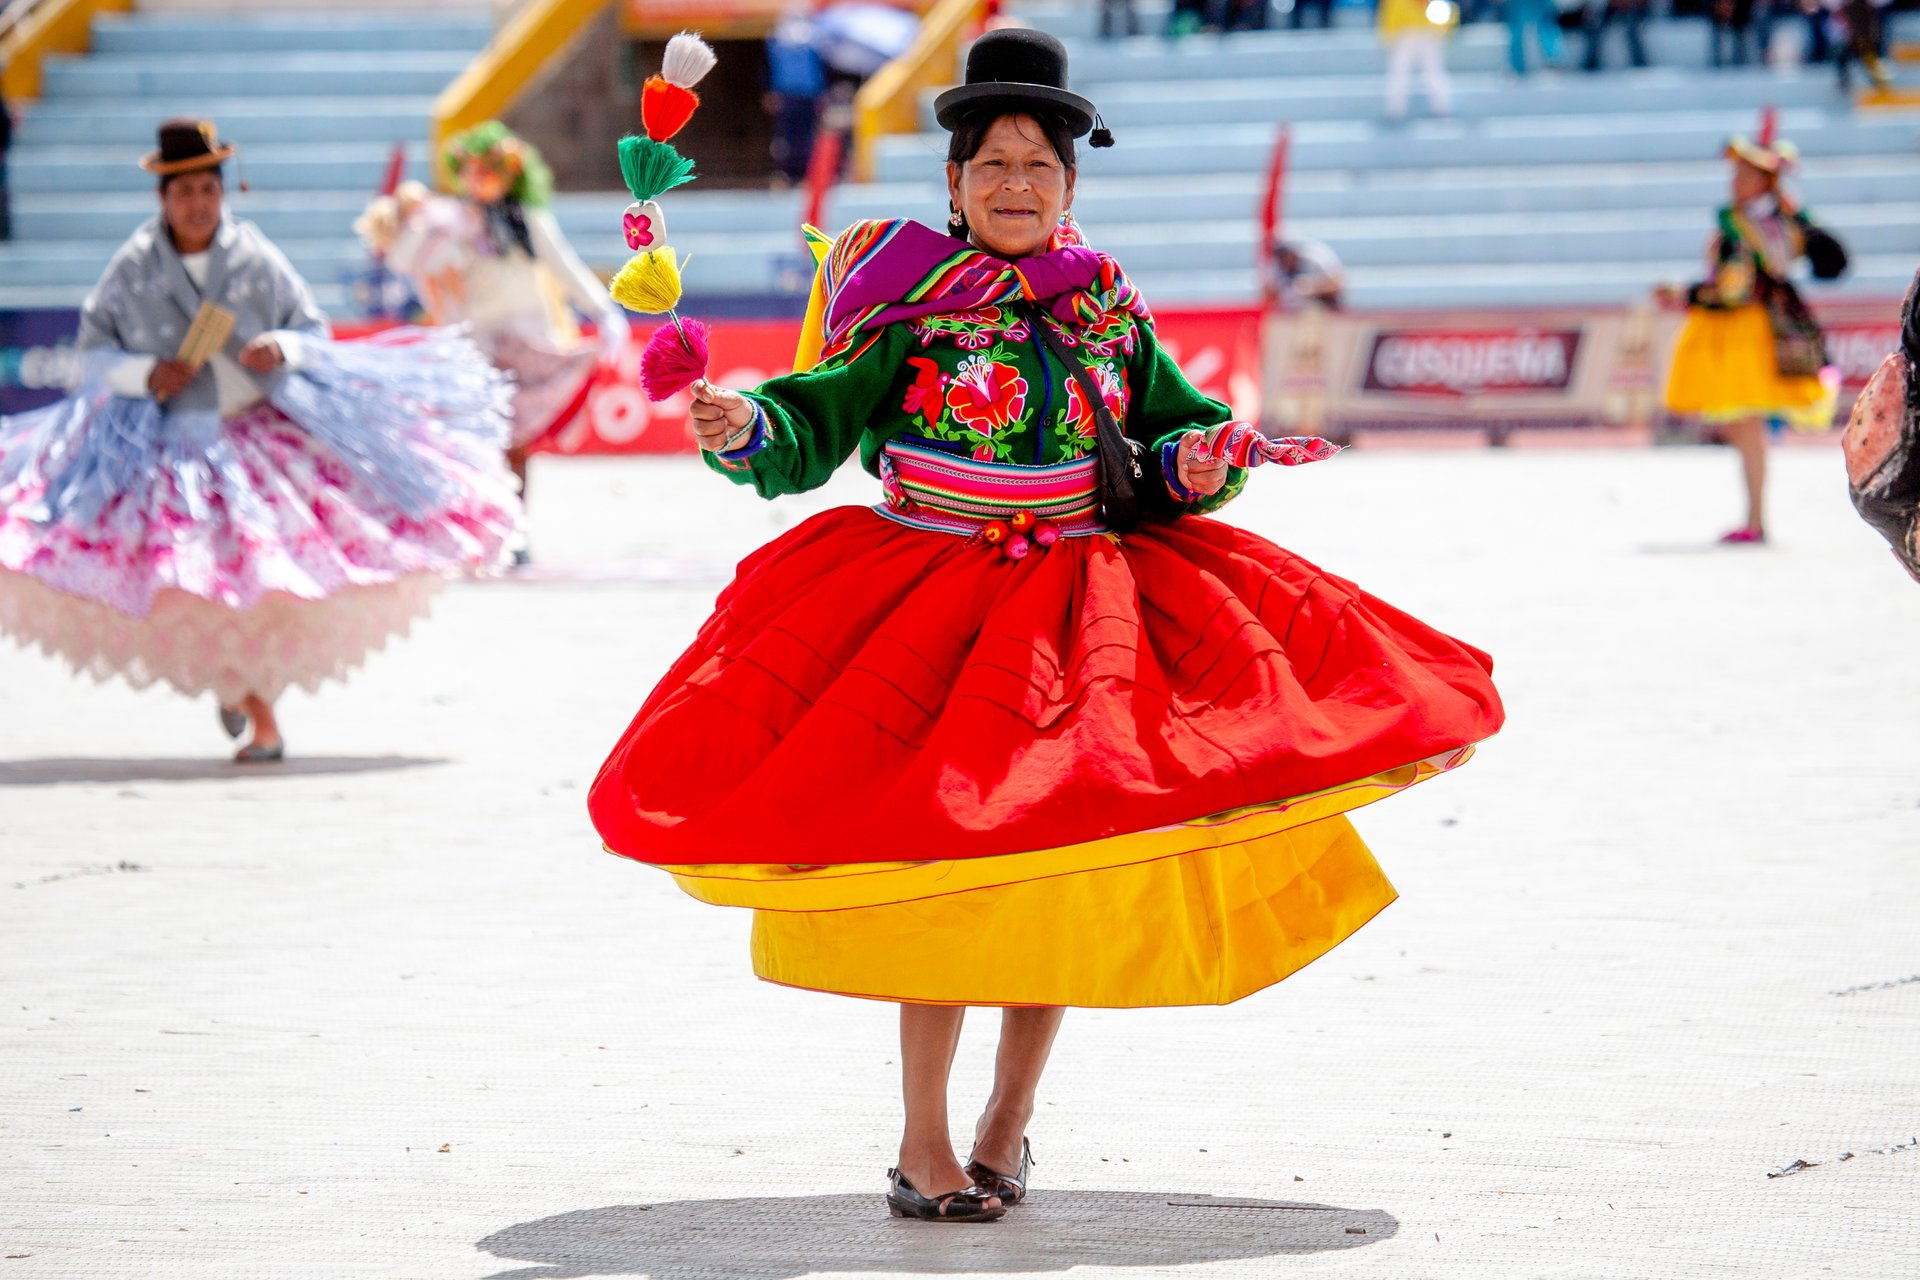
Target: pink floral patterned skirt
x=259, y=562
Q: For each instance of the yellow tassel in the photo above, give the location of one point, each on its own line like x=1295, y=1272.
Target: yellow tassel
x=649, y=283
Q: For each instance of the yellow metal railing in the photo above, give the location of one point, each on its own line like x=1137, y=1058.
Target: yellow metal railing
x=536, y=34
x=890, y=101
x=53, y=26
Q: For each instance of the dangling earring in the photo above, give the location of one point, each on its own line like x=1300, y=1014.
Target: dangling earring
x=956, y=221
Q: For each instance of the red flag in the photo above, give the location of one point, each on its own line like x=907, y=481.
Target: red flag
x=823, y=169
x=396, y=169
x=1274, y=202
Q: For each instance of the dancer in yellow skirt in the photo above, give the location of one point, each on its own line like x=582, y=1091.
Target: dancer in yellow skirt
x=1751, y=356
x=1021, y=736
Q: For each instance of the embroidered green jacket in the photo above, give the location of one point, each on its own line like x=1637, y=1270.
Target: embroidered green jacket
x=979, y=383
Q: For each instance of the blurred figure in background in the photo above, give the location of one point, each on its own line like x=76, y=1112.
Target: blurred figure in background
x=1305, y=273
x=1750, y=355
x=6, y=141
x=1117, y=18
x=496, y=261
x=1542, y=18
x=1861, y=38
x=230, y=502
x=1297, y=18
x=1597, y=15
x=1882, y=444
x=796, y=82
x=1416, y=34
x=1734, y=31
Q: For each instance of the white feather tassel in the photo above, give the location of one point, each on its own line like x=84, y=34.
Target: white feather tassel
x=687, y=61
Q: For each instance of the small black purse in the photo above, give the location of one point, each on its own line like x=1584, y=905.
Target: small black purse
x=1130, y=473
x=1825, y=254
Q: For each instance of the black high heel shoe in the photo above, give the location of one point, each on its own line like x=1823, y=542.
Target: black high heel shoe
x=1011, y=1189
x=970, y=1205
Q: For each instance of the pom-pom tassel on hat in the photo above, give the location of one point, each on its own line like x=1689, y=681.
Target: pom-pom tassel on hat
x=1101, y=135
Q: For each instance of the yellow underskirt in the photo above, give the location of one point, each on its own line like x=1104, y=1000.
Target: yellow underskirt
x=1202, y=912
x=1199, y=928
x=1724, y=370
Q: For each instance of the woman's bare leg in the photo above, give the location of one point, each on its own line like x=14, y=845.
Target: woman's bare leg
x=929, y=1037
x=266, y=730
x=1749, y=437
x=1026, y=1041
x=517, y=463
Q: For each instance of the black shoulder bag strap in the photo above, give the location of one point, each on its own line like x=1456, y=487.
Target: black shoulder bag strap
x=1120, y=457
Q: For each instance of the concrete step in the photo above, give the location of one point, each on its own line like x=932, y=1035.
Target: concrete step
x=306, y=215
x=1476, y=97
x=1695, y=185
x=1170, y=155
x=369, y=74
x=255, y=122
x=1096, y=66
x=306, y=167
x=314, y=32
x=79, y=263
x=1077, y=23
x=1468, y=284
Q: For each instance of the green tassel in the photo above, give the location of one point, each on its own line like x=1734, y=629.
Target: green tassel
x=652, y=168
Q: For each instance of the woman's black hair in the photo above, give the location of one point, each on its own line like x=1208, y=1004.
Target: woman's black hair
x=219, y=171
x=971, y=134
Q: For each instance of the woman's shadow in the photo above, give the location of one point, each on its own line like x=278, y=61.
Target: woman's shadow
x=786, y=1237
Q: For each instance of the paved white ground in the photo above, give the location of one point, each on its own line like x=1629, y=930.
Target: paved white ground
x=389, y=1012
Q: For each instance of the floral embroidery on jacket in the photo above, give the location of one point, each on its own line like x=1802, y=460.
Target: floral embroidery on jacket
x=1075, y=426
x=925, y=398
x=972, y=330
x=1119, y=335
x=988, y=396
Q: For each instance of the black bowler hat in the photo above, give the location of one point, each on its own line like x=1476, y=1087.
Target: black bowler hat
x=187, y=145
x=1019, y=69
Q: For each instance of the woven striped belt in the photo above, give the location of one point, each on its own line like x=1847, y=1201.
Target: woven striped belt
x=930, y=488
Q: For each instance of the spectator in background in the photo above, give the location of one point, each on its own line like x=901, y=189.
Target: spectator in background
x=1543, y=19
x=6, y=142
x=1740, y=31
x=1297, y=18
x=1117, y=19
x=1598, y=15
x=1861, y=37
x=1817, y=48
x=1416, y=34
x=1305, y=273
x=796, y=82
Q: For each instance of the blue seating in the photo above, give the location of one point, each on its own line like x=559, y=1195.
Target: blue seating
x=1560, y=188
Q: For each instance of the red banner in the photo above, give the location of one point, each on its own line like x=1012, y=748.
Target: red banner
x=1218, y=349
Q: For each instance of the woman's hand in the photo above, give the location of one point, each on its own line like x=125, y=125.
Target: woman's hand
x=721, y=417
x=1198, y=473
x=1670, y=295
x=262, y=355
x=169, y=378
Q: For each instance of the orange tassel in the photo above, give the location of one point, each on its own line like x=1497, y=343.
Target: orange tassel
x=665, y=108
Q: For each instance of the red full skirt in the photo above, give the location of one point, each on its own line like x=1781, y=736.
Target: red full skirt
x=866, y=692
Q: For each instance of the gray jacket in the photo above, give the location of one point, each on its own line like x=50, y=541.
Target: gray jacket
x=146, y=301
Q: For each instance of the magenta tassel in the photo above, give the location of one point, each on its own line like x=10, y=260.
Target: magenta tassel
x=674, y=358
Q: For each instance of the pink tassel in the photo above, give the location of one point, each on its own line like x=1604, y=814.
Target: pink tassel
x=674, y=359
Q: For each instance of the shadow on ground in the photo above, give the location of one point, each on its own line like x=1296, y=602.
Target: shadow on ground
x=33, y=773
x=783, y=1238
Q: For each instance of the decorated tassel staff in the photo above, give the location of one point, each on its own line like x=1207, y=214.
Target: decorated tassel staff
x=675, y=357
